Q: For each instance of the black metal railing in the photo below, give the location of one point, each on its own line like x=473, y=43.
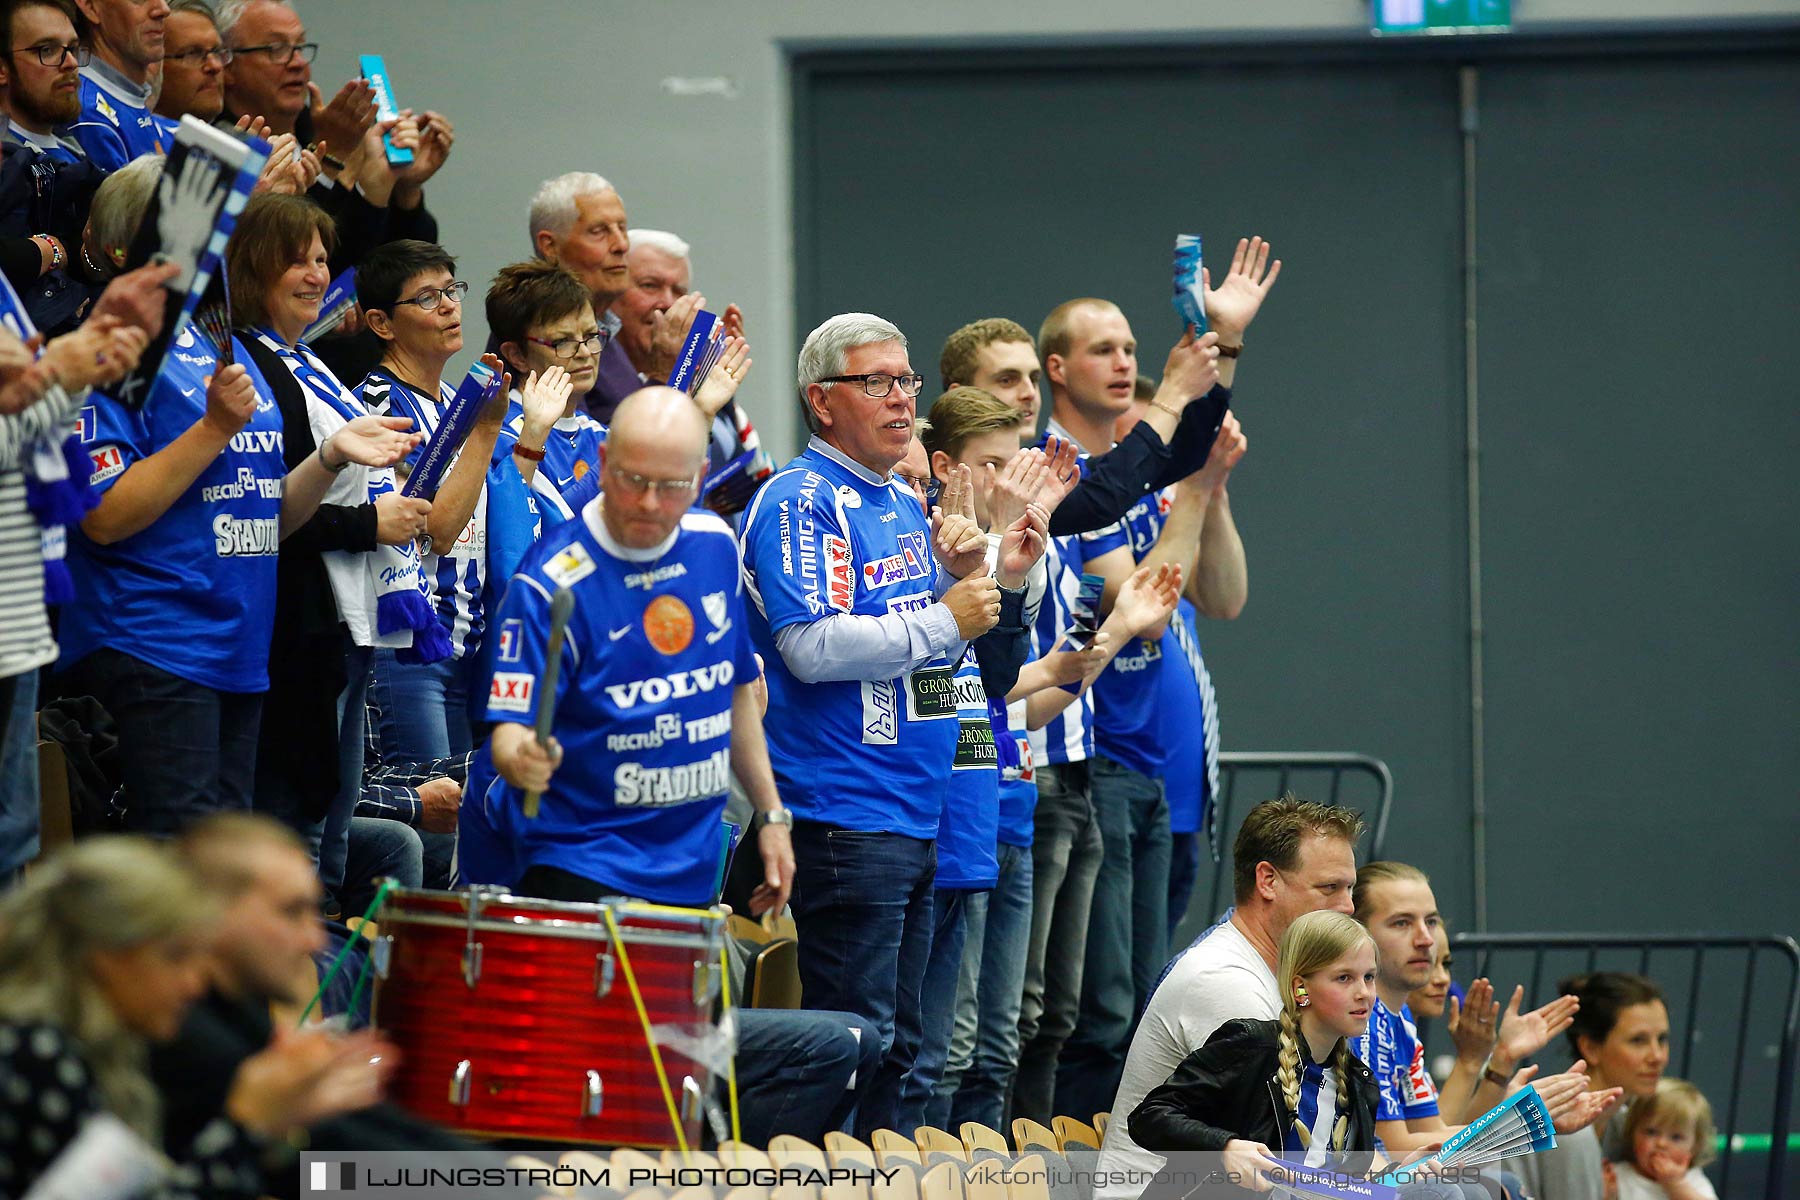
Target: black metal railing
x=1247, y=778
x=1712, y=988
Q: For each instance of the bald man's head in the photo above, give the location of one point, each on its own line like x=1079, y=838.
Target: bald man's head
x=653, y=462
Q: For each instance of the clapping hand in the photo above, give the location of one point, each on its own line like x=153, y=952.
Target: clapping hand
x=668, y=333
x=1023, y=543
x=1228, y=450
x=1474, y=1022
x=1191, y=370
x=1062, y=474
x=1148, y=598
x=1524, y=1034
x=1013, y=487
x=349, y=115
x=544, y=398
x=956, y=538
x=374, y=441
x=1234, y=303
x=102, y=351
x=721, y=383
x=429, y=137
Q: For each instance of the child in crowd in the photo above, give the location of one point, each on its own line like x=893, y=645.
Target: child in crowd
x=1218, y=1100
x=1668, y=1138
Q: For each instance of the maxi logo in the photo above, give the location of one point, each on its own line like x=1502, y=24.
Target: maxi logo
x=659, y=688
x=838, y=575
x=511, y=691
x=106, y=462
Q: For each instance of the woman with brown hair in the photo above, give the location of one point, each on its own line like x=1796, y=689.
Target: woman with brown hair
x=350, y=579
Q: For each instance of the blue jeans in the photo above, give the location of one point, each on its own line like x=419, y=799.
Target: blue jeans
x=1184, y=872
x=1128, y=935
x=795, y=1069
x=19, y=802
x=334, y=836
x=424, y=708
x=862, y=903
x=943, y=972
x=998, y=939
x=1065, y=857
x=185, y=750
x=378, y=848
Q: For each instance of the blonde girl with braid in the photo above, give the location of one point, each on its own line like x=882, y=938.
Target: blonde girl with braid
x=1269, y=1096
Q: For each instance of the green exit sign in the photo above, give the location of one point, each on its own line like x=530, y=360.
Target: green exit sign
x=1442, y=16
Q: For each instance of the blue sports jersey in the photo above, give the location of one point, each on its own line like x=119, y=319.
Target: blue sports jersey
x=1127, y=727
x=966, y=857
x=655, y=648
x=1395, y=1055
x=569, y=476
x=57, y=147
x=1183, y=729
x=116, y=124
x=194, y=593
x=458, y=571
x=823, y=537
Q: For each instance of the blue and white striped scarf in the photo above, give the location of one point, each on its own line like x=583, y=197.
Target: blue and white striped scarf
x=403, y=612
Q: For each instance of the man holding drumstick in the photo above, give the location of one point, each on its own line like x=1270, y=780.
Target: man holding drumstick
x=655, y=704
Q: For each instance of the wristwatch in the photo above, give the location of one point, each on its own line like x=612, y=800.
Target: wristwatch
x=779, y=816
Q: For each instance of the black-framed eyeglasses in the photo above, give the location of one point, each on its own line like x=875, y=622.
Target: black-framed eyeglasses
x=51, y=54
x=199, y=54
x=593, y=343
x=878, y=383
x=429, y=299
x=282, y=53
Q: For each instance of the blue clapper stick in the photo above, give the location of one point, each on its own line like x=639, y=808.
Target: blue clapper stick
x=478, y=387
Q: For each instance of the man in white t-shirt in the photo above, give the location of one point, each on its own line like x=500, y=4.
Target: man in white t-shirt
x=1291, y=857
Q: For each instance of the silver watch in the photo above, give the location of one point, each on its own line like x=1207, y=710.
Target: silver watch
x=779, y=816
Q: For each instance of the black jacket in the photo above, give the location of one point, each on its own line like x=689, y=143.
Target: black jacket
x=1227, y=1089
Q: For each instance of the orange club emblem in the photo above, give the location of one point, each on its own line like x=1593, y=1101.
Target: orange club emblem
x=669, y=624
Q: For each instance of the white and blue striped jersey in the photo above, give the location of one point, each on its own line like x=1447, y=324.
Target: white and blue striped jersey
x=458, y=572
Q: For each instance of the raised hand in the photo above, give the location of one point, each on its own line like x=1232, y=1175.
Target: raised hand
x=374, y=441
x=668, y=332
x=974, y=601
x=1013, y=487
x=1472, y=1024
x=1023, y=543
x=430, y=142
x=956, y=538
x=733, y=316
x=1524, y=1034
x=1062, y=460
x=349, y=115
x=493, y=413
x=721, y=383
x=1571, y=1105
x=277, y=172
x=545, y=398
x=1148, y=597
x=256, y=127
x=1234, y=303
x=1191, y=370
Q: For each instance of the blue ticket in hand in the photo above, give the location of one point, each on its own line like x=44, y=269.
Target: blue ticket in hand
x=1190, y=289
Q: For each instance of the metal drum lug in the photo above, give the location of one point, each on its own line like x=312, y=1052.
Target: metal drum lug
x=592, y=1095
x=471, y=963
x=459, y=1084
x=381, y=954
x=706, y=982
x=604, y=965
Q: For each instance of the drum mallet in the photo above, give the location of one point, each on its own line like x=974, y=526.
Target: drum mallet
x=561, y=605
